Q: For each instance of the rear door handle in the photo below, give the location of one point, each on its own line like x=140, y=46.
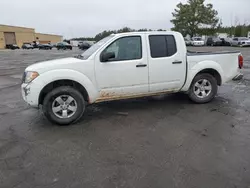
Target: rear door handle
x=177, y=62
x=141, y=65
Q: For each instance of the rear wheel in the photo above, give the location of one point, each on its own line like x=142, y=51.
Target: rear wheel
x=203, y=88
x=64, y=105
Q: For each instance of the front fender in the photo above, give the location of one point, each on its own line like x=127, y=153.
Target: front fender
x=192, y=72
x=44, y=79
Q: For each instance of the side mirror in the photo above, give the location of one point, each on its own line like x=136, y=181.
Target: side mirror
x=106, y=56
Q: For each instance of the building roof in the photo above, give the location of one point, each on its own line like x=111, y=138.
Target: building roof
x=48, y=34
x=29, y=28
x=3, y=25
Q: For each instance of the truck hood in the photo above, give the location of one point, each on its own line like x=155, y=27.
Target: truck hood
x=44, y=66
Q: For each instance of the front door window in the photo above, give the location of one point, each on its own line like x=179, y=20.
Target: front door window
x=126, y=48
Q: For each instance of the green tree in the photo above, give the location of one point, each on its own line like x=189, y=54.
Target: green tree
x=140, y=30
x=103, y=34
x=191, y=18
x=125, y=30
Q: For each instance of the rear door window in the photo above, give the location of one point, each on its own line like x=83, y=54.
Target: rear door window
x=171, y=45
x=162, y=45
x=158, y=46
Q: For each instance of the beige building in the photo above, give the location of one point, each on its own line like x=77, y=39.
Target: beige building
x=20, y=35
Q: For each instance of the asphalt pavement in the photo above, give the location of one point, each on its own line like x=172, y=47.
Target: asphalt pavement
x=161, y=142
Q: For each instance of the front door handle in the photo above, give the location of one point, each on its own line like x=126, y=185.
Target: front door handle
x=141, y=65
x=177, y=62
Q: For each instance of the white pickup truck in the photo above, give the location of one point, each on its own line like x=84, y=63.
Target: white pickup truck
x=126, y=65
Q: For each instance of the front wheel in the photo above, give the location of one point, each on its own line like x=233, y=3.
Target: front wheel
x=64, y=105
x=203, y=88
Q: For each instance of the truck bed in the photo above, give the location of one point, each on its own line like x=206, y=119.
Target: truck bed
x=224, y=61
x=194, y=53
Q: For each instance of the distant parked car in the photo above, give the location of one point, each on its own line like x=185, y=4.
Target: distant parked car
x=12, y=46
x=84, y=45
x=240, y=41
x=214, y=41
x=63, y=46
x=27, y=46
x=79, y=43
x=210, y=41
x=225, y=42
x=188, y=42
x=197, y=41
x=45, y=47
x=53, y=45
x=217, y=42
x=34, y=44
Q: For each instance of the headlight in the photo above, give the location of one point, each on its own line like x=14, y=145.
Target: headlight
x=29, y=76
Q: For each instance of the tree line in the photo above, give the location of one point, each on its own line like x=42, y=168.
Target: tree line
x=193, y=18
x=237, y=31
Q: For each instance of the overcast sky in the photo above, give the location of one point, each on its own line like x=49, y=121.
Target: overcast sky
x=75, y=18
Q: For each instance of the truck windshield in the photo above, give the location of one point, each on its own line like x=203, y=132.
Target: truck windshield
x=95, y=47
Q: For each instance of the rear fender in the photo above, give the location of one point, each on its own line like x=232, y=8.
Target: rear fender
x=200, y=67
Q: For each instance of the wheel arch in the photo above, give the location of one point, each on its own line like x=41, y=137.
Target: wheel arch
x=209, y=67
x=59, y=77
x=214, y=73
x=63, y=82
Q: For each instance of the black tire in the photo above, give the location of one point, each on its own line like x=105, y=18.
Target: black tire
x=63, y=90
x=212, y=94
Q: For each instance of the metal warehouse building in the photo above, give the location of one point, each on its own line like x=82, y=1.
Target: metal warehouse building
x=20, y=35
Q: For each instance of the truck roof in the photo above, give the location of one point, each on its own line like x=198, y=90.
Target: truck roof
x=148, y=32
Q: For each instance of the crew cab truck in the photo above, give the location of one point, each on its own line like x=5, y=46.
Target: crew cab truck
x=126, y=65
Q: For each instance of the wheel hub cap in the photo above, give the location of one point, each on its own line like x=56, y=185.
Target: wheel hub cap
x=64, y=106
x=202, y=88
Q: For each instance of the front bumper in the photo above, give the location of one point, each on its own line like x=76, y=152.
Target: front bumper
x=198, y=44
x=245, y=45
x=29, y=95
x=238, y=77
